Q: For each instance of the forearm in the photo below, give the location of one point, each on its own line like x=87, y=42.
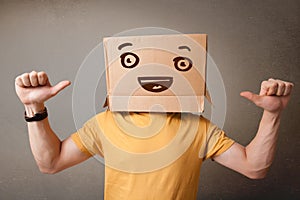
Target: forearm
x=255, y=159
x=260, y=151
x=44, y=143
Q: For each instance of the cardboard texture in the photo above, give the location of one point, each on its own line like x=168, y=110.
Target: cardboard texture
x=157, y=73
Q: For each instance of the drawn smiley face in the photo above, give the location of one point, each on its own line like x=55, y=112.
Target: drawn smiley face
x=154, y=84
x=156, y=72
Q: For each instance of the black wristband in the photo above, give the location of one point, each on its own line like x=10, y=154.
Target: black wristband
x=37, y=117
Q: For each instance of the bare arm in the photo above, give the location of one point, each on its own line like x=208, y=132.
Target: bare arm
x=51, y=154
x=255, y=159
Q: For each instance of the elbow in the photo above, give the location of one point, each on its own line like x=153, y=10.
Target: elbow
x=45, y=170
x=257, y=170
x=257, y=174
x=49, y=169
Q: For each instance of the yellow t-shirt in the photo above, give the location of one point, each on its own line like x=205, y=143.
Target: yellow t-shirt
x=151, y=156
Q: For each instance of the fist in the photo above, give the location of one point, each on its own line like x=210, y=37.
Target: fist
x=34, y=88
x=274, y=95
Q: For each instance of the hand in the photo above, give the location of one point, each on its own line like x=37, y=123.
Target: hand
x=273, y=97
x=34, y=88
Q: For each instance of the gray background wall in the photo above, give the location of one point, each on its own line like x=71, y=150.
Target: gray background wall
x=249, y=41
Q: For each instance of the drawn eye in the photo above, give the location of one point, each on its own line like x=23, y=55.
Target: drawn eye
x=182, y=63
x=129, y=60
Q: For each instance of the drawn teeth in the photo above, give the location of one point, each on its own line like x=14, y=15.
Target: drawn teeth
x=156, y=87
x=151, y=81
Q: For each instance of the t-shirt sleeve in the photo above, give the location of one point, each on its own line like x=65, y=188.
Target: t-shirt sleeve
x=215, y=141
x=87, y=138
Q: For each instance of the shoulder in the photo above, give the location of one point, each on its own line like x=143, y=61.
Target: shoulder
x=193, y=117
x=190, y=120
x=104, y=115
x=96, y=119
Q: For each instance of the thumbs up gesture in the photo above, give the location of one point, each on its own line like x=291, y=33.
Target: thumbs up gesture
x=273, y=97
x=34, y=88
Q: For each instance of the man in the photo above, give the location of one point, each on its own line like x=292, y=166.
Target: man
x=173, y=181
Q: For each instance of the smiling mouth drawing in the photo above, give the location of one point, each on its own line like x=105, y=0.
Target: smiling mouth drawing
x=155, y=84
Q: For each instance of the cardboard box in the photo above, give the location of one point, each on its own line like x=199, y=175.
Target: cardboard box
x=157, y=73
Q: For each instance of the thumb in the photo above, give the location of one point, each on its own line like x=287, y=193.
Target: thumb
x=256, y=99
x=59, y=87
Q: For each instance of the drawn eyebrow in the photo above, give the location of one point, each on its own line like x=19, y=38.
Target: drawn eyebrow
x=121, y=46
x=184, y=47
